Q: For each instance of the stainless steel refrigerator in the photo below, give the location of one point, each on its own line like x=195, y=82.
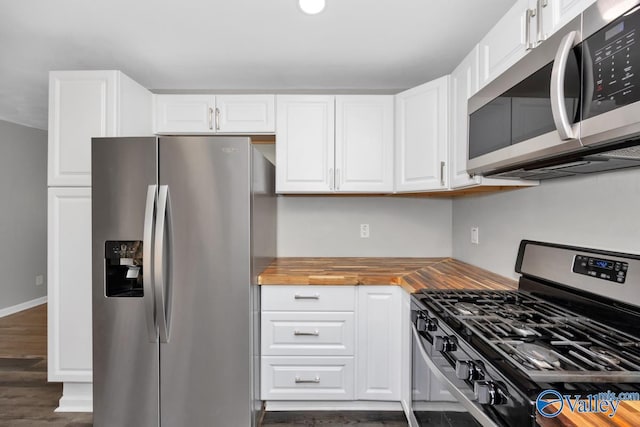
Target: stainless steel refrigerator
x=181, y=228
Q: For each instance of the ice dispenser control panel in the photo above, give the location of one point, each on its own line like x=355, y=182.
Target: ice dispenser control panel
x=123, y=268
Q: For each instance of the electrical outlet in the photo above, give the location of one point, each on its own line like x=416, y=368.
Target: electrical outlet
x=475, y=239
x=39, y=280
x=364, y=231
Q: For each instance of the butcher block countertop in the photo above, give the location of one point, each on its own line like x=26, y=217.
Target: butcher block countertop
x=413, y=274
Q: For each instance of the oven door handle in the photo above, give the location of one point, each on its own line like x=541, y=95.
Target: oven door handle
x=466, y=400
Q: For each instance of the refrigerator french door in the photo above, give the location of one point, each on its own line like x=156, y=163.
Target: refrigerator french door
x=174, y=298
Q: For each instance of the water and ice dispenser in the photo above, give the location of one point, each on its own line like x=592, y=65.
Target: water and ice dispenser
x=123, y=265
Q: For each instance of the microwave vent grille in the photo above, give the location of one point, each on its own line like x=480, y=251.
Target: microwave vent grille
x=632, y=152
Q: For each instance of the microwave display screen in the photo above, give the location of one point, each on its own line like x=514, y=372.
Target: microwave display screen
x=612, y=66
x=617, y=29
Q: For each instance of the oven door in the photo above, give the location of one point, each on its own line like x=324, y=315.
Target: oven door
x=429, y=364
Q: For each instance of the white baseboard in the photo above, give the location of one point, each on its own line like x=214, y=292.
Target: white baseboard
x=23, y=306
x=76, y=397
x=331, y=405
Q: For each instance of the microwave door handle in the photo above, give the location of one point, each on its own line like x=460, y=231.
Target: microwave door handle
x=558, y=109
x=147, y=263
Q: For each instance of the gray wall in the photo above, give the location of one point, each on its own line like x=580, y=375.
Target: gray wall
x=601, y=211
x=330, y=226
x=23, y=213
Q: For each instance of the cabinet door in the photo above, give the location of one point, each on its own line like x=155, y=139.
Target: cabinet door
x=378, y=361
x=245, y=114
x=564, y=11
x=69, y=291
x=82, y=104
x=505, y=44
x=305, y=143
x=421, y=137
x=185, y=114
x=438, y=392
x=464, y=83
x=364, y=143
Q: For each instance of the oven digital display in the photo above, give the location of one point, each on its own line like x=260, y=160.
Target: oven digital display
x=600, y=268
x=603, y=263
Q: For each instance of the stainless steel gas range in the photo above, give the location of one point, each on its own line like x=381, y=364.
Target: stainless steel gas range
x=571, y=329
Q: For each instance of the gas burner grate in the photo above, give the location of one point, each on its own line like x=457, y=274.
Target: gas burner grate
x=544, y=341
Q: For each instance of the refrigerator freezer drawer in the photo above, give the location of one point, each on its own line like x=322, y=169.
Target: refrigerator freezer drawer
x=307, y=334
x=307, y=378
x=308, y=298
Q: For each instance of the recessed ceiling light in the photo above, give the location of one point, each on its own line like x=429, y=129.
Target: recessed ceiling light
x=311, y=7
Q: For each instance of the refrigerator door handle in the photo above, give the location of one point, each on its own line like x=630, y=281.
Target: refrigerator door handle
x=147, y=262
x=163, y=266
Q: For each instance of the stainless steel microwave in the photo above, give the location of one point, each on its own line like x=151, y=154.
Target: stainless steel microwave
x=568, y=107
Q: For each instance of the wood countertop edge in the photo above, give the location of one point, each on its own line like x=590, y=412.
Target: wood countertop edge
x=437, y=273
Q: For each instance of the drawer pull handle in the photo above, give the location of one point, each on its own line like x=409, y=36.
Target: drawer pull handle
x=314, y=296
x=315, y=333
x=315, y=380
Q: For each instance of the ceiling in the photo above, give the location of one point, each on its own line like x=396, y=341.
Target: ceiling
x=376, y=45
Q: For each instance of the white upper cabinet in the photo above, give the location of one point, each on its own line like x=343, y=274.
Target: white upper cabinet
x=563, y=11
x=329, y=144
x=421, y=137
x=246, y=113
x=506, y=42
x=305, y=143
x=184, y=113
x=464, y=83
x=524, y=27
x=210, y=114
x=86, y=104
x=364, y=143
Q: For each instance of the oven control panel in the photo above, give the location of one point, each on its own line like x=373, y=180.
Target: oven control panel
x=601, y=268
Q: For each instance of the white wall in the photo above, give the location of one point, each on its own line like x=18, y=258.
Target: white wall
x=23, y=213
x=601, y=211
x=330, y=226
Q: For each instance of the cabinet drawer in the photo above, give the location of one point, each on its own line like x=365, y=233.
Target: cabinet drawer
x=308, y=298
x=307, y=378
x=307, y=334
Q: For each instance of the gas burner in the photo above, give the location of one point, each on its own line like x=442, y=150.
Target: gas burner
x=538, y=356
x=513, y=308
x=467, y=308
x=522, y=329
x=606, y=355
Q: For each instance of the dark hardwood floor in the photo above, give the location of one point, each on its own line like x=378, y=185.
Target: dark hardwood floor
x=26, y=398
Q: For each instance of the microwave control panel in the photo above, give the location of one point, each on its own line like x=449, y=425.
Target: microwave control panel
x=601, y=268
x=614, y=54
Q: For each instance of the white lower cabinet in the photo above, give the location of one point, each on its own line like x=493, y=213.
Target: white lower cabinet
x=293, y=333
x=378, y=361
x=307, y=343
x=69, y=288
x=307, y=378
x=331, y=343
